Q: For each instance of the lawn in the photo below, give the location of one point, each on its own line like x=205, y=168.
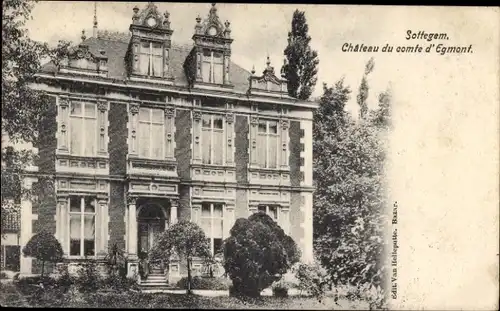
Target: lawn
x=10, y=296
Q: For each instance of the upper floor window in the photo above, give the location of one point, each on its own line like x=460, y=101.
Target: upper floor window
x=151, y=133
x=83, y=128
x=267, y=144
x=213, y=67
x=212, y=221
x=151, y=59
x=212, y=139
x=82, y=226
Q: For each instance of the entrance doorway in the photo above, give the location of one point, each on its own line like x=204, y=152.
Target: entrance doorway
x=151, y=222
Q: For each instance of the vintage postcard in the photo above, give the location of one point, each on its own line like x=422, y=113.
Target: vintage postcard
x=250, y=156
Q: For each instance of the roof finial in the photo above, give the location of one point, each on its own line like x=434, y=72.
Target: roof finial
x=95, y=20
x=213, y=9
x=83, y=35
x=253, y=70
x=268, y=62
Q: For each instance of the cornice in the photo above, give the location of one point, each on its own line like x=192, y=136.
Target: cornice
x=227, y=94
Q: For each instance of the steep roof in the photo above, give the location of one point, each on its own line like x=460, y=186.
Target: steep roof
x=116, y=44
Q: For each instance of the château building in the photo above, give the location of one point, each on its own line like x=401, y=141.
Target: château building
x=144, y=132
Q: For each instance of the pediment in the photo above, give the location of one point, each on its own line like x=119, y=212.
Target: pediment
x=151, y=11
x=151, y=18
x=268, y=82
x=82, y=52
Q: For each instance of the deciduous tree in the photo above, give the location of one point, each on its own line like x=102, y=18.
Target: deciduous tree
x=24, y=109
x=185, y=239
x=350, y=196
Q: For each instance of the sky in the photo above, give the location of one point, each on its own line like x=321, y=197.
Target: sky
x=443, y=160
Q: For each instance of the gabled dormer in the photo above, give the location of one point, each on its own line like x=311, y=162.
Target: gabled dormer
x=81, y=60
x=268, y=84
x=148, y=55
x=209, y=60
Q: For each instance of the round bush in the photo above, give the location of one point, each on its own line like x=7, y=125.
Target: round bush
x=257, y=253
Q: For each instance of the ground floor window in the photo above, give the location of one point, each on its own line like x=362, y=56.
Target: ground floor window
x=280, y=214
x=82, y=226
x=212, y=223
x=270, y=210
x=10, y=257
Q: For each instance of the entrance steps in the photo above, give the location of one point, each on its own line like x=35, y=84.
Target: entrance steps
x=155, y=280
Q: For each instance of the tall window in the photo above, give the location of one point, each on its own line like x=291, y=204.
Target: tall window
x=212, y=221
x=151, y=59
x=267, y=144
x=271, y=210
x=82, y=226
x=83, y=128
x=151, y=133
x=213, y=67
x=213, y=139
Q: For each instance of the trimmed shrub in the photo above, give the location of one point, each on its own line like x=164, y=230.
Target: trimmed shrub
x=257, y=253
x=44, y=247
x=205, y=283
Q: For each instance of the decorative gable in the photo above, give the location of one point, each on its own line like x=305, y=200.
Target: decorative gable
x=150, y=44
x=209, y=61
x=81, y=60
x=267, y=84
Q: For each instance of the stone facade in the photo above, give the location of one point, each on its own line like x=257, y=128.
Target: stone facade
x=128, y=151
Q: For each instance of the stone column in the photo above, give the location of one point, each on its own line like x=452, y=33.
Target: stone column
x=133, y=268
x=174, y=203
x=62, y=224
x=102, y=237
x=132, y=227
x=26, y=225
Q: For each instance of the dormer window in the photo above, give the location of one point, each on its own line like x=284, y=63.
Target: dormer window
x=148, y=53
x=213, y=67
x=151, y=58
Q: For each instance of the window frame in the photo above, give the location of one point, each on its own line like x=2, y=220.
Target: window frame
x=212, y=129
x=151, y=56
x=82, y=214
x=150, y=123
x=211, y=61
x=212, y=219
x=267, y=134
x=81, y=120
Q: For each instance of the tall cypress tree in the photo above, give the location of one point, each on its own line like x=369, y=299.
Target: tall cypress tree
x=363, y=90
x=301, y=62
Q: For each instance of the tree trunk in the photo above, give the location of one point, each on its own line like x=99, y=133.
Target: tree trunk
x=189, y=276
x=43, y=266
